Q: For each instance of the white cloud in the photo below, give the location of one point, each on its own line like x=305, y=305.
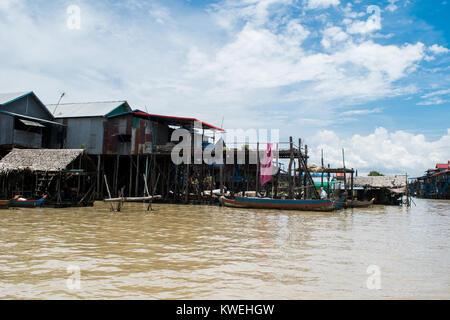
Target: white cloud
x=388, y=152
x=361, y=112
x=321, y=4
x=392, y=5
x=434, y=98
x=437, y=49
x=333, y=35
x=373, y=23
x=160, y=13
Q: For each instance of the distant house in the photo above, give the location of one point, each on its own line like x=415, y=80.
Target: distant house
x=443, y=166
x=25, y=122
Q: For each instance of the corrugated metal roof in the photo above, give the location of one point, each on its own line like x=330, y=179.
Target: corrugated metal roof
x=9, y=97
x=86, y=109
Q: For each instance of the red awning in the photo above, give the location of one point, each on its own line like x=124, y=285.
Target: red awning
x=176, y=120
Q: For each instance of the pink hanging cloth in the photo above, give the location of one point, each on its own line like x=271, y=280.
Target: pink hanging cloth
x=266, y=167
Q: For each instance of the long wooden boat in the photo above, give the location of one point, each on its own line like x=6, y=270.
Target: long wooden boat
x=28, y=203
x=358, y=203
x=5, y=204
x=270, y=203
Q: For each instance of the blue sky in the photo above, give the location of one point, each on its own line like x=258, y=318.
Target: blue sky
x=370, y=76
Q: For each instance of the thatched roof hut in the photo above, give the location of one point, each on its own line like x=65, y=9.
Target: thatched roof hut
x=391, y=182
x=38, y=160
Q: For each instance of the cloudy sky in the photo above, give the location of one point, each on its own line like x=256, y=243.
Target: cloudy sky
x=369, y=76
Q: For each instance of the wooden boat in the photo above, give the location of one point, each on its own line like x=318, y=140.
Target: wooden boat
x=5, y=204
x=270, y=203
x=27, y=203
x=358, y=203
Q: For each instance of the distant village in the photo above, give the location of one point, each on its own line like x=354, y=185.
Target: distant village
x=81, y=152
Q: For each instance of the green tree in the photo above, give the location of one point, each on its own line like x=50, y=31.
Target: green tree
x=375, y=174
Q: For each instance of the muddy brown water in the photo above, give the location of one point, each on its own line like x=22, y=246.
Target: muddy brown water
x=203, y=252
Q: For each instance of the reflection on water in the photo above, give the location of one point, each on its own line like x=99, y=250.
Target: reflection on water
x=201, y=252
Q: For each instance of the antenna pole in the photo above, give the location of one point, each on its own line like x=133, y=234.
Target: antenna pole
x=62, y=95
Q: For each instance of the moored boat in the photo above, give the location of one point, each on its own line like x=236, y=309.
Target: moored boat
x=358, y=203
x=19, y=203
x=270, y=203
x=5, y=204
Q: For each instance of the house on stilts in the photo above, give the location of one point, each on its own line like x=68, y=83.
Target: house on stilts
x=25, y=122
x=66, y=176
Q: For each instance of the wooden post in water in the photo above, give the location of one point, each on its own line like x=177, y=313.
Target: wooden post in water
x=98, y=175
x=177, y=184
x=136, y=187
x=321, y=177
x=211, y=185
x=257, y=181
x=294, y=179
x=109, y=193
x=186, y=190
x=169, y=167
x=233, y=177
x=148, y=193
x=130, y=185
x=345, y=173
x=221, y=176
x=291, y=158
x=307, y=189
x=300, y=167
x=279, y=170
x=79, y=178
x=116, y=175
x=351, y=185
x=328, y=181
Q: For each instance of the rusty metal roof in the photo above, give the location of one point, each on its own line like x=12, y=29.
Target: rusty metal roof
x=171, y=120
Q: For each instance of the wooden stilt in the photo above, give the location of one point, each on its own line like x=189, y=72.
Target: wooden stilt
x=221, y=178
x=321, y=177
x=187, y=182
x=79, y=179
x=148, y=193
x=257, y=181
x=328, y=182
x=345, y=174
x=136, y=187
x=116, y=175
x=109, y=193
x=130, y=184
x=307, y=190
x=351, y=186
x=99, y=164
x=291, y=159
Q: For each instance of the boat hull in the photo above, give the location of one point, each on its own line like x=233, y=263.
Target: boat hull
x=5, y=204
x=269, y=203
x=28, y=203
x=359, y=204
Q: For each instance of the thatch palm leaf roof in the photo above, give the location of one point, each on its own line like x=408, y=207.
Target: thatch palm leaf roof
x=397, y=181
x=47, y=160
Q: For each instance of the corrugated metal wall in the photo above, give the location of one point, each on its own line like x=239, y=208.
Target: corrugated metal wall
x=84, y=131
x=6, y=129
